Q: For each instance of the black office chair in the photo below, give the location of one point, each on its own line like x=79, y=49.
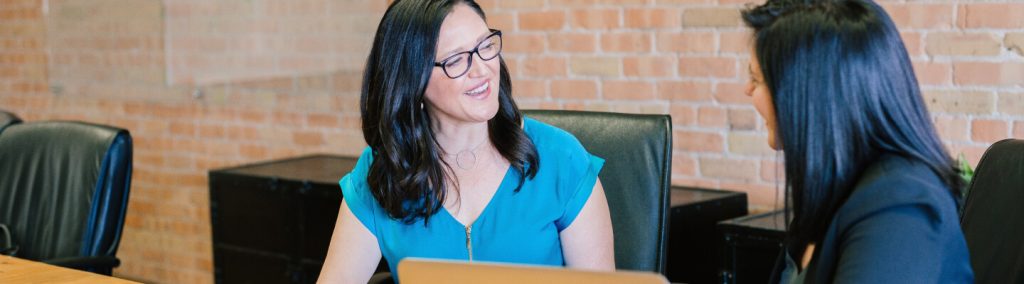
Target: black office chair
x=7, y=118
x=637, y=149
x=993, y=217
x=64, y=191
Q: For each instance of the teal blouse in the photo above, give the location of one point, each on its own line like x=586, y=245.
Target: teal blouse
x=517, y=227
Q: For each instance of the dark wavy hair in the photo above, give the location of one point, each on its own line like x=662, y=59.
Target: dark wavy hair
x=845, y=93
x=407, y=176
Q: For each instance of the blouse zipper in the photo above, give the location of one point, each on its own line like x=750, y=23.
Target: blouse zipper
x=469, y=242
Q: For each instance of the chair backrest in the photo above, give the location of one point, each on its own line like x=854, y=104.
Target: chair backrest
x=993, y=215
x=7, y=118
x=637, y=149
x=64, y=188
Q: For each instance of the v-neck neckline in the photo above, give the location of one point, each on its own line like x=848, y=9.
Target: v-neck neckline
x=501, y=188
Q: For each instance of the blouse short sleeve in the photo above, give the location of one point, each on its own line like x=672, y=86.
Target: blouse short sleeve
x=356, y=192
x=573, y=169
x=584, y=173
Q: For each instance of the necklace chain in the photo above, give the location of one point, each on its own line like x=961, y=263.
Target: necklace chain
x=466, y=159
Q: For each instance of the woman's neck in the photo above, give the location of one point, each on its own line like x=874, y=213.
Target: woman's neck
x=454, y=138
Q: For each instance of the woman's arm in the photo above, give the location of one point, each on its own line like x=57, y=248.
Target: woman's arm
x=588, y=243
x=353, y=254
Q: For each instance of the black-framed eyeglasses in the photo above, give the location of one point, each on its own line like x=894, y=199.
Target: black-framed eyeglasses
x=458, y=64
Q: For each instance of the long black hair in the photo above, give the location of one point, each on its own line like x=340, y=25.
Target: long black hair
x=844, y=93
x=407, y=176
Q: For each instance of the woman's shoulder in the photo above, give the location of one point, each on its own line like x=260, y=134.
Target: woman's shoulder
x=354, y=182
x=540, y=129
x=893, y=182
x=549, y=138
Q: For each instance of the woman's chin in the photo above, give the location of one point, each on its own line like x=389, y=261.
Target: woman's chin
x=773, y=144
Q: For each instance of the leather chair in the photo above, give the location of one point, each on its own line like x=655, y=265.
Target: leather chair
x=993, y=215
x=7, y=118
x=637, y=149
x=64, y=190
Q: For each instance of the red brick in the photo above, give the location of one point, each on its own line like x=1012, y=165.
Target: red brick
x=524, y=88
x=544, y=66
x=933, y=73
x=683, y=115
x=735, y=42
x=626, y=42
x=523, y=42
x=711, y=117
x=323, y=120
x=951, y=128
x=749, y=144
x=959, y=44
x=988, y=73
x=600, y=19
x=683, y=164
x=627, y=90
x=521, y=5
x=574, y=89
x=698, y=141
x=1011, y=104
x=960, y=102
x=694, y=91
x=305, y=138
x=912, y=42
x=649, y=66
x=572, y=42
x=686, y=41
x=646, y=18
x=732, y=93
x=742, y=119
x=773, y=171
x=989, y=131
x=501, y=20
x=542, y=21
x=992, y=15
x=711, y=17
x=921, y=15
x=1018, y=129
x=704, y=67
x=728, y=169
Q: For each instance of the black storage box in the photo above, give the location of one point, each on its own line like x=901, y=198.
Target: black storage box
x=272, y=221
x=693, y=255
x=751, y=245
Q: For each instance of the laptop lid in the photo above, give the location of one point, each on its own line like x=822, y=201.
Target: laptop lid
x=421, y=271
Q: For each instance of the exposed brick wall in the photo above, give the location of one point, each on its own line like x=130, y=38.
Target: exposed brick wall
x=203, y=85
x=688, y=59
x=22, y=51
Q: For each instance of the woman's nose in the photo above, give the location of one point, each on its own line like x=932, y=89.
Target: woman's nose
x=479, y=67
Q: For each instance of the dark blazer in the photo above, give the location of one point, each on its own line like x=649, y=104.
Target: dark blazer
x=899, y=225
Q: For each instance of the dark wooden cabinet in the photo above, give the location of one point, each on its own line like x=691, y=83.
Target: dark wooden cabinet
x=752, y=244
x=272, y=222
x=693, y=250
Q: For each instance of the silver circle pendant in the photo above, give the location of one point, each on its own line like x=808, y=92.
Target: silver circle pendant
x=465, y=160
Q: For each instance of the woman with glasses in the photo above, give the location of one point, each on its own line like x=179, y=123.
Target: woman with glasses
x=453, y=170
x=874, y=193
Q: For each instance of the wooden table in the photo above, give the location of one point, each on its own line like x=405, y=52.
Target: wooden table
x=16, y=270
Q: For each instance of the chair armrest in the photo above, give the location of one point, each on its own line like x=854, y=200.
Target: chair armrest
x=104, y=262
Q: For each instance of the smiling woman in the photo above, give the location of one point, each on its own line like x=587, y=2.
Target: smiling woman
x=453, y=170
